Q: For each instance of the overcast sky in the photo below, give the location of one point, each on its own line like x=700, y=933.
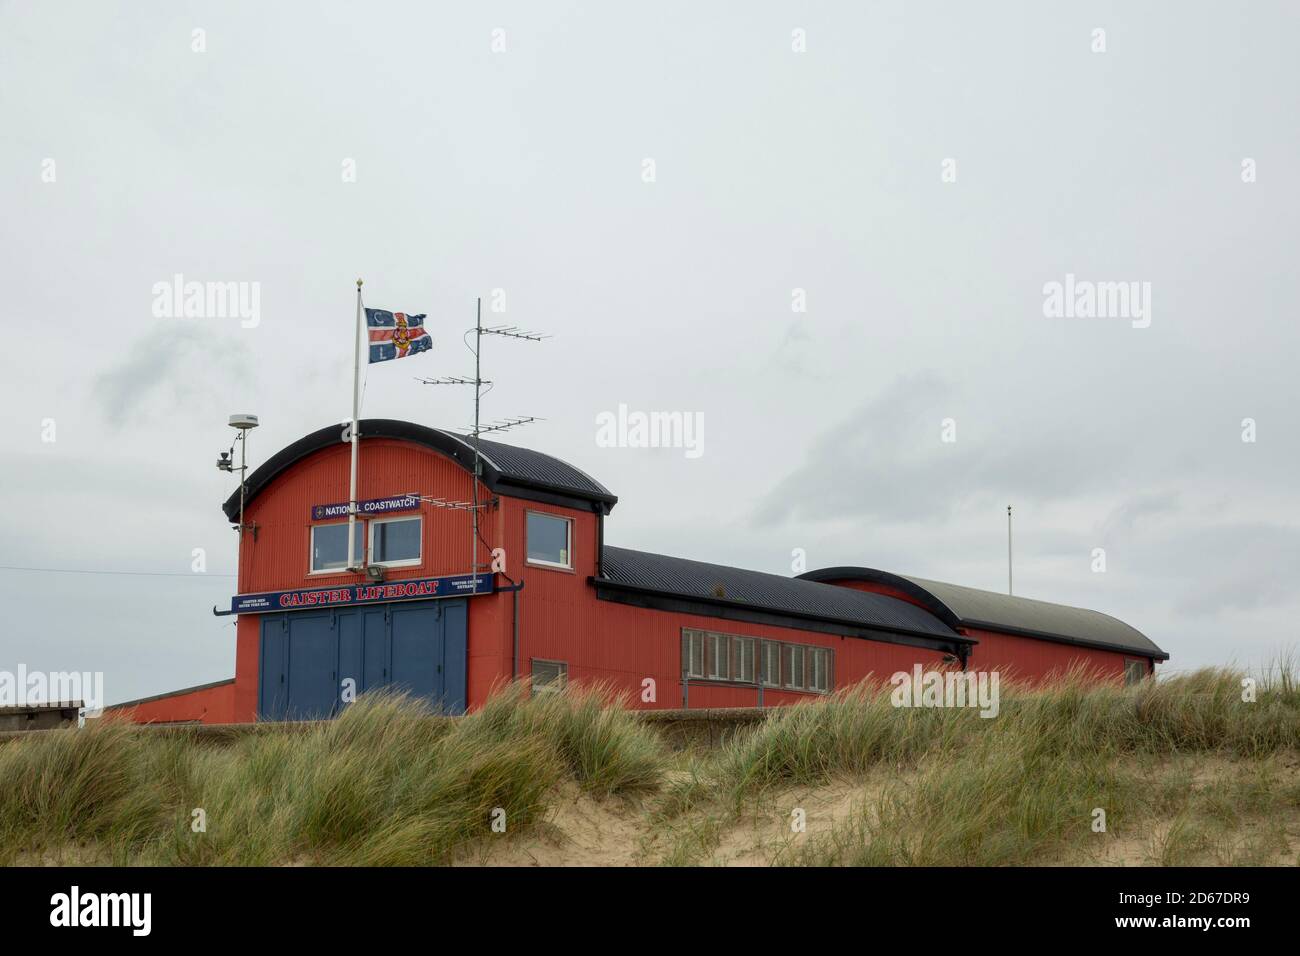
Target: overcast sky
x=921, y=171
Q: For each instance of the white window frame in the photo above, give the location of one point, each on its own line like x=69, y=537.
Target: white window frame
x=539, y=562
x=765, y=648
x=815, y=654
x=1130, y=662
x=738, y=645
x=802, y=651
x=404, y=562
x=715, y=641
x=311, y=549
x=689, y=638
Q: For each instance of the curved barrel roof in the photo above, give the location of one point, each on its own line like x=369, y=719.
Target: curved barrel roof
x=518, y=472
x=960, y=606
x=720, y=585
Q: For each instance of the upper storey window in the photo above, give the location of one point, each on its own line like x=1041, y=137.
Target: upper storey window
x=329, y=546
x=549, y=540
x=395, y=542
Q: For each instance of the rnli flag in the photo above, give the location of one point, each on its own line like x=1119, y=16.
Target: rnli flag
x=395, y=335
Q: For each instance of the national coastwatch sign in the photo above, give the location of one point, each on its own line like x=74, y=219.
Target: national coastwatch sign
x=375, y=506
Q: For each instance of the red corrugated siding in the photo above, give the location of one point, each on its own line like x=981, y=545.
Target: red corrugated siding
x=278, y=556
x=211, y=705
x=1035, y=660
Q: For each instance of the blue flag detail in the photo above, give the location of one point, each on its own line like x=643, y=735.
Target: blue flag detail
x=395, y=335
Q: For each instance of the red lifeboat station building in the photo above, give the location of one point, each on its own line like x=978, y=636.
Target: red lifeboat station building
x=560, y=604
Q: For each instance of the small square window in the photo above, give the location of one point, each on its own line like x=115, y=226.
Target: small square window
x=550, y=677
x=549, y=540
x=395, y=541
x=329, y=546
x=1134, y=672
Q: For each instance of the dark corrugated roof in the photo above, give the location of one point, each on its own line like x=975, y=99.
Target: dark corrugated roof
x=524, y=464
x=768, y=592
x=971, y=607
x=518, y=472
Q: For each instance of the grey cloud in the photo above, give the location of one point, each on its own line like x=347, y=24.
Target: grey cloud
x=176, y=364
x=886, y=461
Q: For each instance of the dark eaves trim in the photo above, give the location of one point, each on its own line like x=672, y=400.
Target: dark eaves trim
x=728, y=610
x=548, y=495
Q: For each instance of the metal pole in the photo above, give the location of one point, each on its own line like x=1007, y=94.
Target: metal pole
x=1009, y=549
x=356, y=410
x=243, y=474
x=478, y=383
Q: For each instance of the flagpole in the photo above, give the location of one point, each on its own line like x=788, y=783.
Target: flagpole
x=356, y=410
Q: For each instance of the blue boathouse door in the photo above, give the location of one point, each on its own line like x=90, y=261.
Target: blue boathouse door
x=417, y=647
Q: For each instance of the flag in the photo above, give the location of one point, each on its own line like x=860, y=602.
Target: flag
x=395, y=335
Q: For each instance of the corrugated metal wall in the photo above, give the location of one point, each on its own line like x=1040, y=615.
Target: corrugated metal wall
x=278, y=557
x=209, y=705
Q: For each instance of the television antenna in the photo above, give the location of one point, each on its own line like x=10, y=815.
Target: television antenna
x=500, y=425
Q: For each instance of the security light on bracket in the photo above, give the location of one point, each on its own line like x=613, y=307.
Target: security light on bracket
x=375, y=572
x=224, y=463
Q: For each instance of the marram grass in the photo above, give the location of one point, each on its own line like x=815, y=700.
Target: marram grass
x=386, y=785
x=382, y=785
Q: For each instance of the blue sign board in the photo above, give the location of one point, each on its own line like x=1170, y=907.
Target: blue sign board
x=375, y=506
x=347, y=595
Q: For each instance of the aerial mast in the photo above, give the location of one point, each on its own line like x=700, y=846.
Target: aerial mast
x=506, y=331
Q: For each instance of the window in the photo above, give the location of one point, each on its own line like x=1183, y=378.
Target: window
x=771, y=664
x=819, y=669
x=1134, y=672
x=693, y=653
x=717, y=647
x=742, y=659
x=395, y=542
x=794, y=677
x=708, y=655
x=329, y=546
x=550, y=677
x=549, y=540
